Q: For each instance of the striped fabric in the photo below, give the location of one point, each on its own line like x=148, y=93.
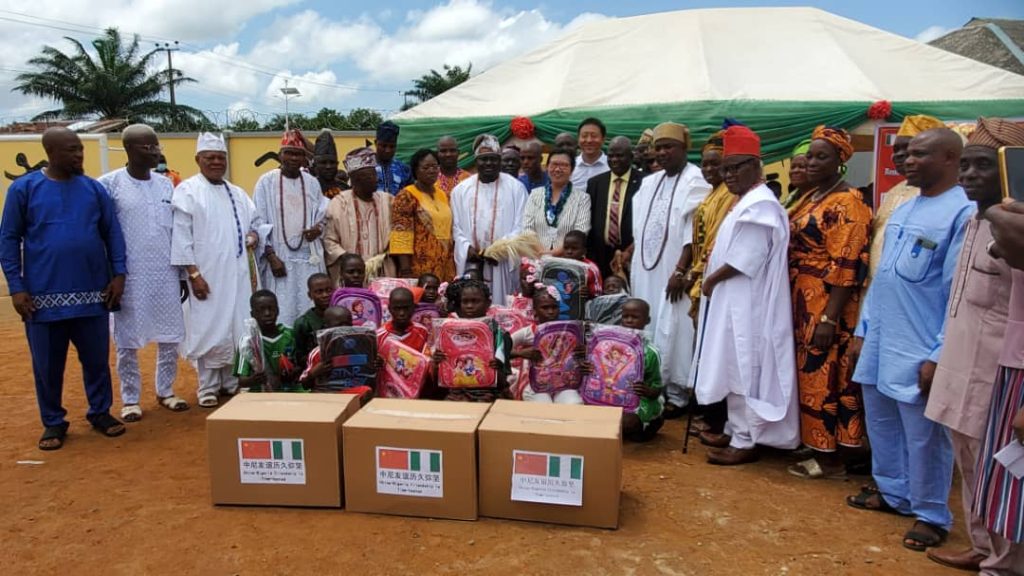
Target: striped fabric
x=999, y=497
x=575, y=216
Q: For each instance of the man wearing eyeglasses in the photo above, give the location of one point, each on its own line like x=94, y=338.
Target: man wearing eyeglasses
x=214, y=223
x=745, y=346
x=150, y=307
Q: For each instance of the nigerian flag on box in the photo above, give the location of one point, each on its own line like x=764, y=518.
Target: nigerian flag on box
x=547, y=478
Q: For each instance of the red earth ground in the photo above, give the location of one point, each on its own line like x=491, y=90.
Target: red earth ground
x=140, y=504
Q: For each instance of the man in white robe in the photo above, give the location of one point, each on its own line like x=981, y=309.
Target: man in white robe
x=151, y=305
x=487, y=207
x=745, y=341
x=214, y=223
x=358, y=220
x=663, y=210
x=291, y=208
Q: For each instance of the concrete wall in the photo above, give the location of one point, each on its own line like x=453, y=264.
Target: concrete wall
x=104, y=152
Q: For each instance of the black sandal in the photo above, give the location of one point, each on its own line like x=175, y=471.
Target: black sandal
x=866, y=500
x=58, y=433
x=107, y=425
x=922, y=540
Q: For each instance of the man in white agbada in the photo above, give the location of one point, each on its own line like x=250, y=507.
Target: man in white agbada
x=662, y=232
x=151, y=305
x=486, y=207
x=291, y=210
x=745, y=341
x=214, y=223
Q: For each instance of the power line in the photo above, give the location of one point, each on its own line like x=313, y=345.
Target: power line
x=195, y=51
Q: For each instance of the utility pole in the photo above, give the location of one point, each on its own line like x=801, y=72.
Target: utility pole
x=167, y=47
x=288, y=92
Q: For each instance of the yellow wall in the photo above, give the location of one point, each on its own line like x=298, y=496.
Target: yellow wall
x=243, y=150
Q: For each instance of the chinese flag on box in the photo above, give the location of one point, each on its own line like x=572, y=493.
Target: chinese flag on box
x=256, y=449
x=535, y=464
x=394, y=459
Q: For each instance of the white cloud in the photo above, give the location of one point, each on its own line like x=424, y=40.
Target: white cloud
x=458, y=33
x=931, y=33
x=216, y=70
x=326, y=58
x=316, y=89
x=184, y=20
x=309, y=38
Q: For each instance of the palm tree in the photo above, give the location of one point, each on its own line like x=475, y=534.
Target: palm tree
x=435, y=83
x=118, y=82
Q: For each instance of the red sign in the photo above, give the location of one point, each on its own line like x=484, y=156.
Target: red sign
x=885, y=171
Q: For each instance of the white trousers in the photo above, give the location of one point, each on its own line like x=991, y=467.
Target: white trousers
x=213, y=379
x=738, y=425
x=560, y=397
x=131, y=377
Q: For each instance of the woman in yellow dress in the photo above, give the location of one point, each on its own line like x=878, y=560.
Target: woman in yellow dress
x=421, y=223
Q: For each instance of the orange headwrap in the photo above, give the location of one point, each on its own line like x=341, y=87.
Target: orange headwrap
x=838, y=138
x=714, y=142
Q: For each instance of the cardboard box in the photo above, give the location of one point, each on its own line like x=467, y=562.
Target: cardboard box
x=551, y=463
x=413, y=458
x=278, y=449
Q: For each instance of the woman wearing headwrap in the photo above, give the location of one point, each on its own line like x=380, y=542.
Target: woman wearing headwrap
x=421, y=223
x=828, y=258
x=798, y=185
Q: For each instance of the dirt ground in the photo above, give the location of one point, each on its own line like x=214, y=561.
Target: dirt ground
x=140, y=504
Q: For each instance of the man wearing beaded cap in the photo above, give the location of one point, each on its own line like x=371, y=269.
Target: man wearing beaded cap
x=358, y=220
x=214, y=222
x=291, y=208
x=486, y=207
x=663, y=211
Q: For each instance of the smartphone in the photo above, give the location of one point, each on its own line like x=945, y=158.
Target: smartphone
x=1011, y=172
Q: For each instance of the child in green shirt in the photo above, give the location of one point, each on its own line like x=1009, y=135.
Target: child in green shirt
x=319, y=288
x=645, y=423
x=278, y=343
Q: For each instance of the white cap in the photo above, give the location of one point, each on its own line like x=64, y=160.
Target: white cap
x=210, y=143
x=487, y=142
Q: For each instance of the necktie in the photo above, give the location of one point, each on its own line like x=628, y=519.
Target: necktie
x=613, y=214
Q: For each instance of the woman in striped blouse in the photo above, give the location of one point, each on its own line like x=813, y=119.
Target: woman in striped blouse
x=553, y=210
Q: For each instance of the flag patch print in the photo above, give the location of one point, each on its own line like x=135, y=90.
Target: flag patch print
x=271, y=461
x=547, y=478
x=410, y=472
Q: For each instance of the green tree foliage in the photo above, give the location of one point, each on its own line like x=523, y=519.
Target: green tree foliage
x=118, y=81
x=357, y=119
x=436, y=83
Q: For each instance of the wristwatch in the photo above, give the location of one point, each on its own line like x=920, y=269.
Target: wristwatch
x=194, y=275
x=826, y=320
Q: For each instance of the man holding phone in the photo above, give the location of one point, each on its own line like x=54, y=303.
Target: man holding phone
x=997, y=501
x=976, y=319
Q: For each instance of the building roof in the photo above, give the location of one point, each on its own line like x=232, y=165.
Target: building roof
x=994, y=41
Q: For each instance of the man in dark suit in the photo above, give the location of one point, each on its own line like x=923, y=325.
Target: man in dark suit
x=611, y=199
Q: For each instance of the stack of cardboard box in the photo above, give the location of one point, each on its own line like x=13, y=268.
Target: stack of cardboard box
x=516, y=460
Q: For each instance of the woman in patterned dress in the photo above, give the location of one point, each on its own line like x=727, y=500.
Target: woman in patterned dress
x=828, y=256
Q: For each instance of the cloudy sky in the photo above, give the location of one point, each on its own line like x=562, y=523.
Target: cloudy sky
x=345, y=55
